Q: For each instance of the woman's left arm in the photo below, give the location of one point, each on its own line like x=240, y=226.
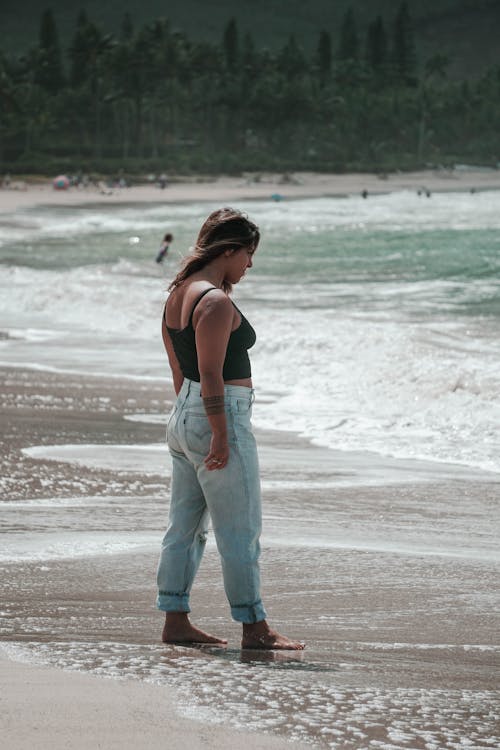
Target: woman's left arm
x=212, y=331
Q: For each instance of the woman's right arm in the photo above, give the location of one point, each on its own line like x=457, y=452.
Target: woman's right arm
x=212, y=331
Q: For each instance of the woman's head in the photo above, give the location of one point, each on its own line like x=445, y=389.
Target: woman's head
x=224, y=230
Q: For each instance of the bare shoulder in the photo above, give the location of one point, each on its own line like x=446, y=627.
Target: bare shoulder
x=214, y=298
x=215, y=306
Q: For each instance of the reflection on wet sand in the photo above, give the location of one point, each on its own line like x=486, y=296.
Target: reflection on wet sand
x=280, y=659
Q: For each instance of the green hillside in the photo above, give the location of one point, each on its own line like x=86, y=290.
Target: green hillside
x=285, y=86
x=465, y=30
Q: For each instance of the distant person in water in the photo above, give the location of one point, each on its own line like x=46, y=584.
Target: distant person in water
x=215, y=470
x=164, y=247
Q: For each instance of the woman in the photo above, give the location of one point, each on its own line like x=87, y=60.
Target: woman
x=214, y=457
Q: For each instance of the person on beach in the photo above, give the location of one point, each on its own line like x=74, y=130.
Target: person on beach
x=215, y=469
x=164, y=247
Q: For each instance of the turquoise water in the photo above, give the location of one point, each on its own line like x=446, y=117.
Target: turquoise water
x=390, y=307
x=308, y=254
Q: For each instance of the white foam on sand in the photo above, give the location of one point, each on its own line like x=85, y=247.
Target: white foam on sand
x=400, y=532
x=36, y=546
x=150, y=459
x=303, y=534
x=304, y=700
x=279, y=533
x=147, y=418
x=282, y=468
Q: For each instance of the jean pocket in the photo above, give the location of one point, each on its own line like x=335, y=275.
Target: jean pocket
x=197, y=433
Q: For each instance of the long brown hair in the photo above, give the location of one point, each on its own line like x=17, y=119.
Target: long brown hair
x=225, y=229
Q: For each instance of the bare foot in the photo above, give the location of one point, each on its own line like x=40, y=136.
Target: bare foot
x=178, y=629
x=260, y=636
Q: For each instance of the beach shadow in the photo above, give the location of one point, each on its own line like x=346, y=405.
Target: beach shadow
x=289, y=660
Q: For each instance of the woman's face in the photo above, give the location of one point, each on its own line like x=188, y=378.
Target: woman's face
x=238, y=262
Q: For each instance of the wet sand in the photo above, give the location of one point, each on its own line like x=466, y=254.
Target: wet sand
x=389, y=570
x=50, y=709
x=251, y=186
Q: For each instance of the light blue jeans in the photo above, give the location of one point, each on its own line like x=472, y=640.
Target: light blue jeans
x=229, y=496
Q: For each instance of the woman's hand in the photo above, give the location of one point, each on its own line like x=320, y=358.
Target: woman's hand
x=218, y=455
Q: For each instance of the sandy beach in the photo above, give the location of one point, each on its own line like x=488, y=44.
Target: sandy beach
x=382, y=641
x=23, y=194
x=388, y=568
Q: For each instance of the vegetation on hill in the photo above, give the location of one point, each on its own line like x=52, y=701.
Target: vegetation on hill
x=466, y=31
x=152, y=98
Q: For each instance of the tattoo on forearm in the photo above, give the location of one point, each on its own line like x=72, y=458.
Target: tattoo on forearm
x=214, y=404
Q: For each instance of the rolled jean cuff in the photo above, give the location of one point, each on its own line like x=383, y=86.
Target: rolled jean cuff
x=248, y=613
x=169, y=602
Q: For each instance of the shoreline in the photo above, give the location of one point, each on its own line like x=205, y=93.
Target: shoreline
x=299, y=185
x=368, y=466
x=373, y=638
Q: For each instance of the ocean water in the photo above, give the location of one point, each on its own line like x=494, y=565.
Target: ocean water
x=378, y=320
x=378, y=333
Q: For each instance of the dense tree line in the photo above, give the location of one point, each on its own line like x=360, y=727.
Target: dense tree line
x=150, y=98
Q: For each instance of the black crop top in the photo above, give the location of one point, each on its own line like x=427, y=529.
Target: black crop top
x=237, y=362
